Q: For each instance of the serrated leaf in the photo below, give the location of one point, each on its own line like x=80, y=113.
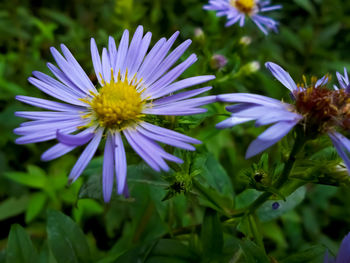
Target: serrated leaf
x=66, y=239
x=20, y=248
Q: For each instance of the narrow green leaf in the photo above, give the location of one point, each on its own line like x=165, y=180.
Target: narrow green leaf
x=35, y=177
x=36, y=204
x=211, y=234
x=66, y=239
x=20, y=248
x=313, y=254
x=253, y=253
x=12, y=207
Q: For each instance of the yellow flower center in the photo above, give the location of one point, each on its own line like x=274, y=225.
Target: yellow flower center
x=118, y=103
x=244, y=6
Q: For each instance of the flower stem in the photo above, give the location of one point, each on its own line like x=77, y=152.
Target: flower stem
x=298, y=145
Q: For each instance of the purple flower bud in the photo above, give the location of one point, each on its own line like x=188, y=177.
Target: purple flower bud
x=217, y=61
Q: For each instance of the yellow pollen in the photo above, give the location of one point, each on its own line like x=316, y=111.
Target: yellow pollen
x=117, y=104
x=244, y=6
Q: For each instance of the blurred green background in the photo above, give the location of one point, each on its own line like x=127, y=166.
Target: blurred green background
x=70, y=223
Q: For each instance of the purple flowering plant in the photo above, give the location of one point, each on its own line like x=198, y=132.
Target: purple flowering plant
x=175, y=153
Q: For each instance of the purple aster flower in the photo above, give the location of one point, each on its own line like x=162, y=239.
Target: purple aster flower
x=343, y=253
x=237, y=10
x=133, y=85
x=316, y=108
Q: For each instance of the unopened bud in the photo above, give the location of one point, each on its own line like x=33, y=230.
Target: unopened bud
x=217, y=62
x=245, y=41
x=199, y=35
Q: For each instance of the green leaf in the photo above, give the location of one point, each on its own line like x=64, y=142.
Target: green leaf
x=313, y=254
x=66, y=239
x=172, y=249
x=20, y=248
x=307, y=5
x=35, y=177
x=12, y=207
x=211, y=235
x=253, y=253
x=266, y=213
x=36, y=204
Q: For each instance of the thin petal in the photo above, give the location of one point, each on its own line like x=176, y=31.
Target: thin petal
x=108, y=169
x=120, y=163
x=169, y=133
x=232, y=121
x=74, y=140
x=96, y=60
x=86, y=156
x=344, y=250
x=269, y=137
x=282, y=76
x=342, y=145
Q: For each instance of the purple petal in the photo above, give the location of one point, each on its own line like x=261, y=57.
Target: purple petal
x=344, y=250
x=141, y=54
x=96, y=60
x=252, y=99
x=170, y=76
x=189, y=103
x=120, y=164
x=56, y=92
x=58, y=85
x=86, y=156
x=170, y=60
x=181, y=85
x=106, y=66
x=174, y=111
x=63, y=78
x=74, y=140
x=141, y=151
x=150, y=57
x=158, y=58
x=56, y=151
x=108, y=169
x=47, y=115
x=180, y=96
x=165, y=139
x=342, y=145
x=169, y=133
x=122, y=52
x=87, y=84
x=47, y=104
x=269, y=137
x=232, y=121
x=45, y=135
x=70, y=71
x=112, y=51
x=282, y=76
x=134, y=49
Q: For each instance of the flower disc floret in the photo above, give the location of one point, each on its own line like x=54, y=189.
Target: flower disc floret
x=244, y=6
x=323, y=107
x=118, y=104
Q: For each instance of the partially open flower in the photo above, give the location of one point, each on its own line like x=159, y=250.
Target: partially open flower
x=316, y=108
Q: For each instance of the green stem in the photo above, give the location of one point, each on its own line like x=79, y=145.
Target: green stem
x=298, y=145
x=256, y=230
